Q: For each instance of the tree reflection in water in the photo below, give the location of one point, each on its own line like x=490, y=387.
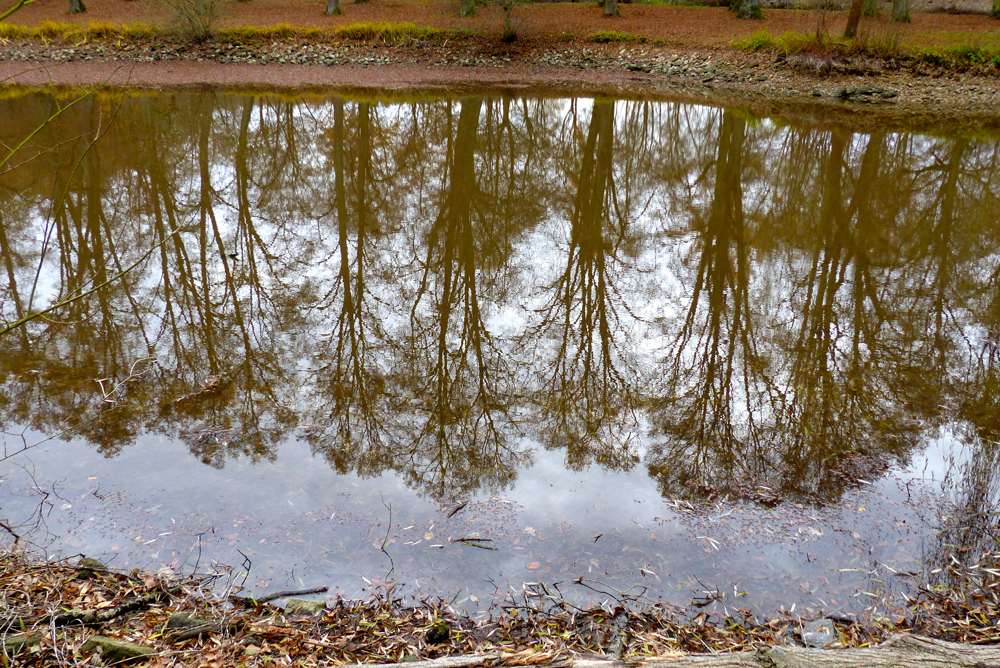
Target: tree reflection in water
x=743, y=306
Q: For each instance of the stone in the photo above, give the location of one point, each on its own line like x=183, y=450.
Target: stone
x=302, y=606
x=888, y=94
x=439, y=633
x=818, y=633
x=86, y=567
x=118, y=651
x=817, y=92
x=16, y=643
x=184, y=620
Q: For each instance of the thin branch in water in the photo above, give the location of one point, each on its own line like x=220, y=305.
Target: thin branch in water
x=392, y=565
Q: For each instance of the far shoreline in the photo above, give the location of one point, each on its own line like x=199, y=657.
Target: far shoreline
x=755, y=83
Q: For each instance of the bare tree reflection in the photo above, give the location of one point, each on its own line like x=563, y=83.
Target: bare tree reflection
x=588, y=393
x=456, y=374
x=352, y=378
x=843, y=410
x=715, y=384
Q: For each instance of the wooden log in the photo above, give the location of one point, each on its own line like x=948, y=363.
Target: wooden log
x=900, y=651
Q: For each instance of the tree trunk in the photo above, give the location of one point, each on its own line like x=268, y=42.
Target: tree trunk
x=901, y=11
x=77, y=7
x=611, y=7
x=869, y=8
x=996, y=10
x=853, y=19
x=468, y=7
x=332, y=8
x=509, y=34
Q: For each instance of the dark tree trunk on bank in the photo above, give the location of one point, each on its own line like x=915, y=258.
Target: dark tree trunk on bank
x=77, y=7
x=853, y=19
x=996, y=10
x=332, y=8
x=900, y=11
x=468, y=7
x=611, y=7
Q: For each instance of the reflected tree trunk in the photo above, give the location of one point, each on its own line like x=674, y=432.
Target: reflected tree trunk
x=714, y=363
x=8, y=260
x=587, y=397
x=460, y=444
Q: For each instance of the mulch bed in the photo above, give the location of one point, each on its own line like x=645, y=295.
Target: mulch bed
x=51, y=609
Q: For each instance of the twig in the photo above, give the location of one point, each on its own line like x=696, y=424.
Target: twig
x=457, y=508
x=481, y=547
x=94, y=617
x=66, y=302
x=278, y=594
x=13, y=533
x=392, y=565
x=16, y=7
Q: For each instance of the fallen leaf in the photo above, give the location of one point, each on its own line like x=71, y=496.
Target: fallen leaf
x=533, y=565
x=428, y=536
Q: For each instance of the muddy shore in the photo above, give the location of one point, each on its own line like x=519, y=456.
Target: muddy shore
x=859, y=92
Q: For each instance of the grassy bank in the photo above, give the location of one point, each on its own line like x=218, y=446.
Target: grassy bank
x=963, y=52
x=371, y=32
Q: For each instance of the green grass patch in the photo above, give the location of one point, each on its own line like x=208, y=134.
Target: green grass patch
x=368, y=32
x=74, y=32
x=788, y=42
x=961, y=55
x=11, y=31
x=975, y=50
x=249, y=34
x=383, y=31
x=613, y=36
x=762, y=40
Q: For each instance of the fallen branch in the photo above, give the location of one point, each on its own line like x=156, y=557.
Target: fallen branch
x=447, y=662
x=203, y=629
x=251, y=600
x=95, y=617
x=900, y=651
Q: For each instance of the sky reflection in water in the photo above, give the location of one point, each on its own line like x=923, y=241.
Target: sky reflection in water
x=750, y=356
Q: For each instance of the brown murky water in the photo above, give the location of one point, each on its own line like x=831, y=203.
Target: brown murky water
x=664, y=348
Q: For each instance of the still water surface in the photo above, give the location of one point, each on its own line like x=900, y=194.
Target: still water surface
x=640, y=343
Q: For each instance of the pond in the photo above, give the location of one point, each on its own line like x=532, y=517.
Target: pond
x=466, y=345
